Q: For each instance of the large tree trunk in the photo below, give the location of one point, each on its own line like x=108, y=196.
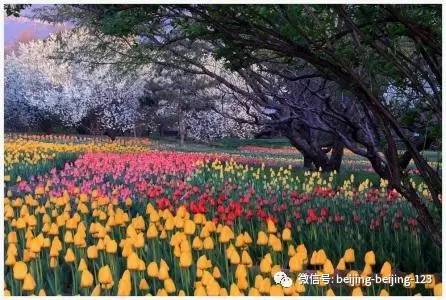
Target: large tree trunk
x=314, y=155
x=337, y=153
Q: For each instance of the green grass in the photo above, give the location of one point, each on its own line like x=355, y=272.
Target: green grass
x=234, y=143
x=352, y=164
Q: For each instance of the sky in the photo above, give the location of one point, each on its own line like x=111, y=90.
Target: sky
x=23, y=29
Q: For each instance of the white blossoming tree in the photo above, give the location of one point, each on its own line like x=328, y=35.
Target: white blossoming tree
x=98, y=98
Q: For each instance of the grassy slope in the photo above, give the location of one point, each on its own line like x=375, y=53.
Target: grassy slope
x=231, y=146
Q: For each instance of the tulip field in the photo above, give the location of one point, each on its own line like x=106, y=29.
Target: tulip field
x=91, y=216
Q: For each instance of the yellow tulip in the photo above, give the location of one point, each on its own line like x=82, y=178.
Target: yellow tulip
x=20, y=223
x=69, y=256
x=239, y=241
x=133, y=262
x=357, y=291
x=197, y=244
x=276, y=290
x=105, y=276
x=100, y=245
x=247, y=238
x=265, y=266
x=386, y=269
x=68, y=237
x=36, y=245
x=92, y=252
x=10, y=260
x=431, y=283
x=286, y=234
x=53, y=262
x=213, y=288
x=234, y=258
x=241, y=271
x=206, y=277
x=353, y=274
x=42, y=292
x=152, y=269
x=169, y=286
x=152, y=232
x=125, y=284
x=318, y=257
x=275, y=243
x=216, y=273
x=234, y=290
x=265, y=286
x=262, y=238
x=185, y=246
x=96, y=291
x=199, y=273
x=111, y=246
x=189, y=227
x=438, y=290
x=246, y=258
x=295, y=263
x=12, y=250
x=370, y=258
x=275, y=269
x=127, y=249
x=82, y=265
x=202, y=262
x=299, y=287
x=223, y=292
x=383, y=293
x=138, y=241
x=20, y=270
x=200, y=291
x=208, y=243
x=28, y=283
x=163, y=272
x=143, y=285
x=349, y=255
x=341, y=265
x=86, y=279
x=258, y=281
x=271, y=226
x=242, y=283
x=12, y=237
x=253, y=292
x=367, y=271
x=226, y=234
x=185, y=259
x=328, y=267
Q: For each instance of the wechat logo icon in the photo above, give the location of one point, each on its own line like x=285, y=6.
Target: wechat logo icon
x=283, y=279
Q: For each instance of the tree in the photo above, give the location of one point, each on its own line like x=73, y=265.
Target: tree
x=21, y=84
x=97, y=99
x=15, y=9
x=345, y=45
x=369, y=52
x=190, y=99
